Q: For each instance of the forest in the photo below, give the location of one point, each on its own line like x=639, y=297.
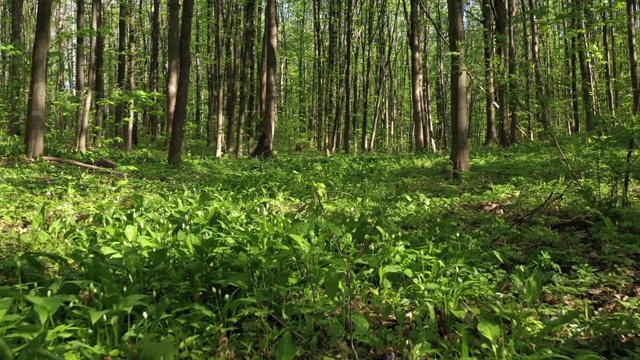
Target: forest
x=319, y=179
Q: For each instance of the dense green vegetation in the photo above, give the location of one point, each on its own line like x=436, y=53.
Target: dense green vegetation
x=383, y=256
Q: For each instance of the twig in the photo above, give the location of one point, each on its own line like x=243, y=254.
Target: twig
x=566, y=162
x=548, y=201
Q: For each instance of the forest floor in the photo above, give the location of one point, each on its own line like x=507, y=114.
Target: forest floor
x=371, y=256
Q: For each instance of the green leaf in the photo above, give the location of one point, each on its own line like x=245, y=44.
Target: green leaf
x=489, y=330
x=533, y=288
x=332, y=283
x=95, y=315
x=287, y=347
x=130, y=232
x=5, y=351
x=301, y=242
x=164, y=350
x=360, y=321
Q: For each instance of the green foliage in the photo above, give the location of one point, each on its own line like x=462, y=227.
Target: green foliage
x=318, y=258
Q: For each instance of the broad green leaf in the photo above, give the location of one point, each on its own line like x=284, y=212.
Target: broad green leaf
x=489, y=330
x=533, y=288
x=95, y=315
x=360, y=321
x=332, y=283
x=301, y=242
x=287, y=347
x=5, y=351
x=164, y=350
x=130, y=232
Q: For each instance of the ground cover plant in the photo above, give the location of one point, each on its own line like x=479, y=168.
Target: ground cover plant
x=370, y=257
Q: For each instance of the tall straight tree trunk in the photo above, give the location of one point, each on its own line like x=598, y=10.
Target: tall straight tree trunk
x=247, y=61
x=15, y=73
x=541, y=87
x=173, y=45
x=232, y=84
x=347, y=80
x=211, y=75
x=416, y=78
x=122, y=43
x=155, y=68
x=607, y=62
x=83, y=125
x=100, y=83
x=36, y=107
x=588, y=87
x=440, y=95
x=490, y=96
x=503, y=85
x=219, y=79
x=633, y=57
x=80, y=83
x=459, y=127
x=513, y=74
x=264, y=148
x=527, y=75
x=131, y=85
x=182, y=96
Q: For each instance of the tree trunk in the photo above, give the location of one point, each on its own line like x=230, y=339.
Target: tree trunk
x=541, y=87
x=416, y=78
x=219, y=79
x=122, y=43
x=182, y=96
x=513, y=74
x=83, y=125
x=503, y=86
x=36, y=107
x=100, y=84
x=247, y=57
x=15, y=73
x=173, y=70
x=131, y=86
x=347, y=80
x=588, y=88
x=487, y=22
x=459, y=128
x=607, y=62
x=264, y=148
x=81, y=136
x=155, y=68
x=232, y=84
x=633, y=57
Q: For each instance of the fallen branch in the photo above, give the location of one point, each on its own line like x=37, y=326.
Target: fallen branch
x=80, y=164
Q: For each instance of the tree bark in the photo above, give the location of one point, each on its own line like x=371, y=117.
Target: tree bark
x=83, y=124
x=155, y=68
x=219, y=79
x=131, y=85
x=247, y=58
x=100, y=84
x=541, y=87
x=264, y=148
x=15, y=73
x=173, y=54
x=633, y=57
x=588, y=87
x=122, y=43
x=81, y=130
x=459, y=127
x=182, y=96
x=416, y=78
x=489, y=52
x=36, y=107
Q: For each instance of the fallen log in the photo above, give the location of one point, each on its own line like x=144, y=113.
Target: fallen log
x=81, y=164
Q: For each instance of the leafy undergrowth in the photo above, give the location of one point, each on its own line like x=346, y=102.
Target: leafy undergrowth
x=370, y=257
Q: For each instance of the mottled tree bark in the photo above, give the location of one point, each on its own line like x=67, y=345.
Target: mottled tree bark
x=36, y=107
